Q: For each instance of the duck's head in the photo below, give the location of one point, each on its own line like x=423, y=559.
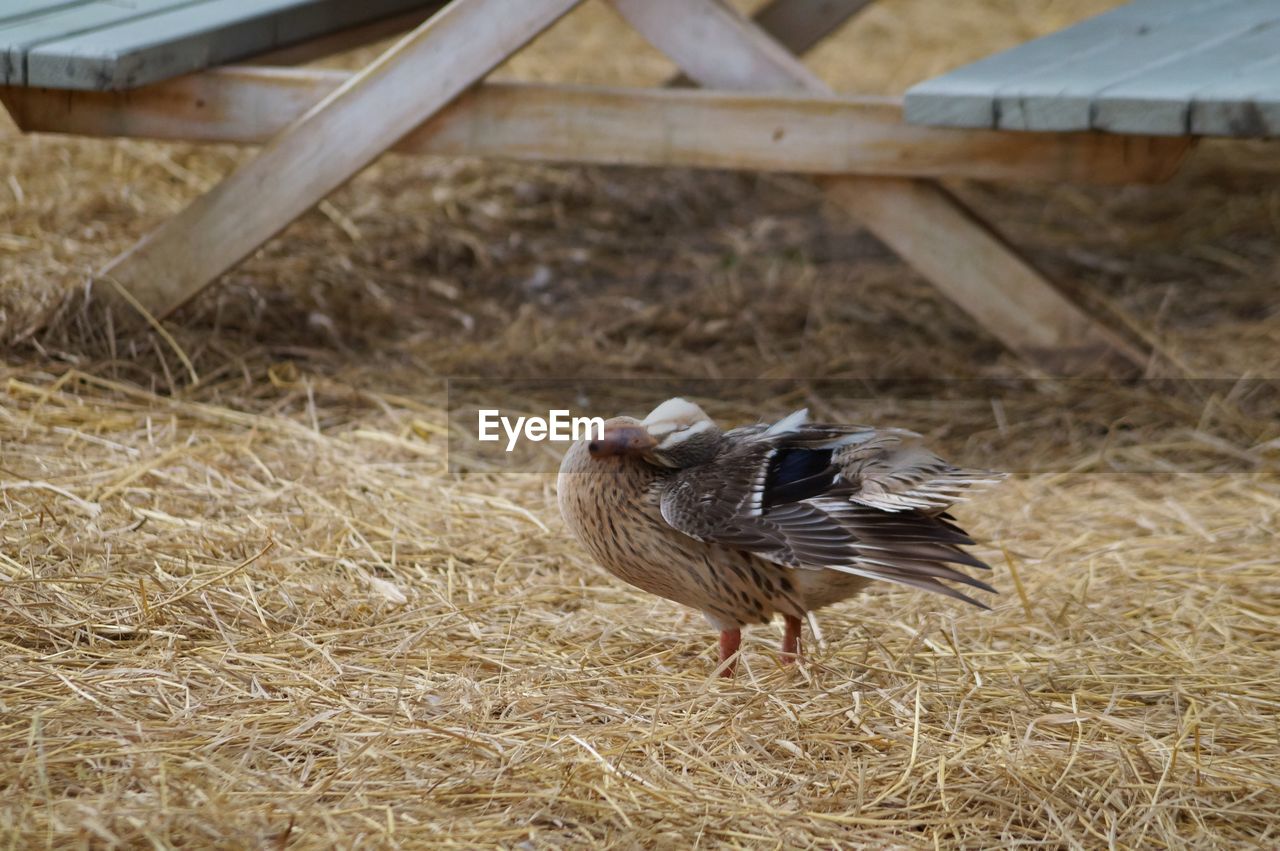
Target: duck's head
x=676, y=434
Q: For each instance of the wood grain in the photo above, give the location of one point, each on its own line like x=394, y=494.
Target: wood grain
x=638, y=127
x=1064, y=98
x=348, y=38
x=966, y=96
x=1160, y=101
x=1245, y=105
x=1164, y=67
x=195, y=35
x=23, y=29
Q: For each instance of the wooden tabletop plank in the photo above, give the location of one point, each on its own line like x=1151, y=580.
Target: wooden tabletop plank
x=13, y=10
x=966, y=97
x=190, y=38
x=1167, y=67
x=1159, y=101
x=20, y=33
x=1244, y=105
x=1062, y=98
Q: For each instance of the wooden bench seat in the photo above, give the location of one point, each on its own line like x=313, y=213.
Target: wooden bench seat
x=107, y=44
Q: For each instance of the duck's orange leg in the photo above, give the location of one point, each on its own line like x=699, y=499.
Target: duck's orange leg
x=730, y=640
x=791, y=640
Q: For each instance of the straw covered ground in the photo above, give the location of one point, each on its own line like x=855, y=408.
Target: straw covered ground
x=246, y=602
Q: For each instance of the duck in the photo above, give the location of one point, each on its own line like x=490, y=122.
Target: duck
x=768, y=519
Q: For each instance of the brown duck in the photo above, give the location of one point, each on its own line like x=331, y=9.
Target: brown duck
x=783, y=518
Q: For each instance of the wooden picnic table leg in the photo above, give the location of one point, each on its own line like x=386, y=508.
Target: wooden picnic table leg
x=328, y=145
x=921, y=221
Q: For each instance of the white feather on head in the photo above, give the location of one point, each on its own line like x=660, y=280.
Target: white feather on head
x=674, y=422
x=673, y=414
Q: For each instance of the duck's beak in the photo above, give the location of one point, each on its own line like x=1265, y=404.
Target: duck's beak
x=622, y=440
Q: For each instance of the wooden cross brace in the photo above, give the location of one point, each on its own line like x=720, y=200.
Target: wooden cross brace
x=376, y=108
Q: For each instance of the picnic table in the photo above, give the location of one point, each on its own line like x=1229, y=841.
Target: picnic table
x=146, y=68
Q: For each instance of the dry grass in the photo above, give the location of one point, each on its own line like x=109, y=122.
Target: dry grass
x=256, y=609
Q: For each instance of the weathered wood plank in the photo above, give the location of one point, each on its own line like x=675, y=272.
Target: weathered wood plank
x=640, y=127
x=1159, y=101
x=168, y=43
x=923, y=223
x=1063, y=99
x=1247, y=105
x=12, y=10
x=23, y=33
x=327, y=146
x=348, y=38
x=966, y=97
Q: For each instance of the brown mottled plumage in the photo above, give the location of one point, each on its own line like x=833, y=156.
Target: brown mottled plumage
x=766, y=519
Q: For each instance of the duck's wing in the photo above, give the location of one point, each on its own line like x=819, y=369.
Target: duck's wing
x=724, y=502
x=893, y=472
x=779, y=492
